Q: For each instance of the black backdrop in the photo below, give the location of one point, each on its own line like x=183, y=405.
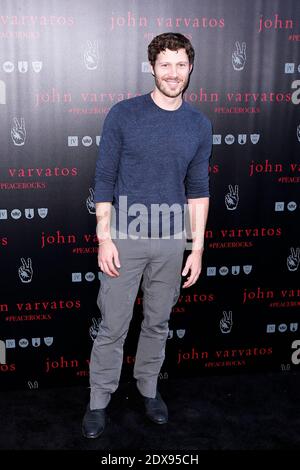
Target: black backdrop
x=63, y=65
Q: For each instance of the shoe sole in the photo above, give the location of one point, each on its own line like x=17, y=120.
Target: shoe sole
x=92, y=437
x=156, y=422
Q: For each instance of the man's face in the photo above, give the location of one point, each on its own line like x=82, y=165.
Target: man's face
x=171, y=72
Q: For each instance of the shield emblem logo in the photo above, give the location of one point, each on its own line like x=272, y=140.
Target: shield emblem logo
x=180, y=333
x=43, y=212
x=23, y=66
x=247, y=268
x=36, y=342
x=146, y=67
x=48, y=340
x=242, y=139
x=254, y=138
x=29, y=213
x=37, y=66
x=235, y=270
x=293, y=326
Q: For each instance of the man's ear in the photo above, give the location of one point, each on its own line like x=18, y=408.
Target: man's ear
x=191, y=67
x=152, y=70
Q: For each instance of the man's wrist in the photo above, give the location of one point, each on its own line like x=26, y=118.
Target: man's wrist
x=103, y=240
x=197, y=251
x=197, y=248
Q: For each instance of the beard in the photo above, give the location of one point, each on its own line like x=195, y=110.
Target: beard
x=171, y=88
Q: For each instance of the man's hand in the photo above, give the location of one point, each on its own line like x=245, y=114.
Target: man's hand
x=193, y=265
x=108, y=258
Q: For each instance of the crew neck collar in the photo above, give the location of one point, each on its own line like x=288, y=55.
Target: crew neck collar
x=162, y=109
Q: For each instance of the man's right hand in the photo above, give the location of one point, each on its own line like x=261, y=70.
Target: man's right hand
x=108, y=258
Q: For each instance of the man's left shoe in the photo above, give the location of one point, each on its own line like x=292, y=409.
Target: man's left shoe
x=156, y=409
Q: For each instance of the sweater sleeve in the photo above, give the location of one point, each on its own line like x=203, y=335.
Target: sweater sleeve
x=108, y=157
x=197, y=177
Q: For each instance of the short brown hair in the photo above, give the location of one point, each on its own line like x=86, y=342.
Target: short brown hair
x=172, y=41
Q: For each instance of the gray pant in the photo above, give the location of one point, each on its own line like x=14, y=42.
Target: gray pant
x=159, y=261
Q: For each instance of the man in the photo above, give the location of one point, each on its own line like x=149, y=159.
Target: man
x=153, y=154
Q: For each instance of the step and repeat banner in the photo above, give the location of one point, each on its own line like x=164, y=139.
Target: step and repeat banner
x=63, y=65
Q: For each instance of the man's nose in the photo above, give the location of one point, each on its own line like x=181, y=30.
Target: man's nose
x=173, y=71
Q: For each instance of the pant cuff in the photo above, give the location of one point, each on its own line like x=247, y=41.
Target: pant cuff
x=147, y=389
x=98, y=402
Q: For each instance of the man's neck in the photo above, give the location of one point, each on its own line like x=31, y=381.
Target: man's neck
x=166, y=102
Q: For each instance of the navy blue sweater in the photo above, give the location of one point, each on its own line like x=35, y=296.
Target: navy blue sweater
x=153, y=156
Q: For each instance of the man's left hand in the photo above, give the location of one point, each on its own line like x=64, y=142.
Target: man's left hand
x=193, y=266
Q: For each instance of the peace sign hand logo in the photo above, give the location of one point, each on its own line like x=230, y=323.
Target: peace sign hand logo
x=232, y=198
x=18, y=132
x=238, y=56
x=25, y=270
x=91, y=55
x=226, y=322
x=90, y=202
x=293, y=259
x=94, y=328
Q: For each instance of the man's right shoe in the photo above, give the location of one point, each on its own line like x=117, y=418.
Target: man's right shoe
x=93, y=423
